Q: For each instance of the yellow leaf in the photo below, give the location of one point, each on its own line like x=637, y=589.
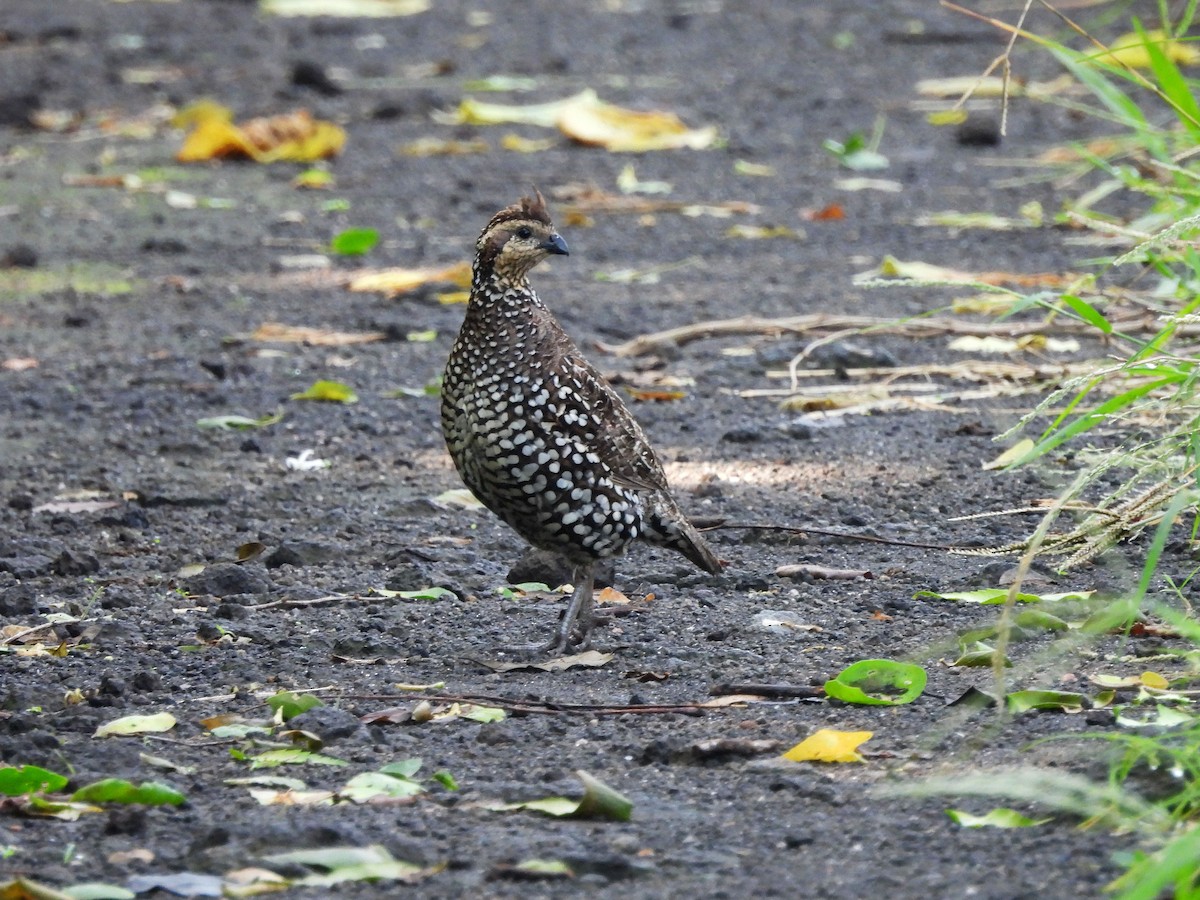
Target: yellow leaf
x=1154, y=680
x=829, y=745
x=401, y=281
x=630, y=131
x=545, y=115
x=1130, y=50
x=292, y=137
x=518, y=144
x=947, y=117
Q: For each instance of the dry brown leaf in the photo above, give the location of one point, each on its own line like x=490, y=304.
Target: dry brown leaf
x=649, y=394
x=401, y=281
x=831, y=213
x=806, y=570
x=610, y=595
x=279, y=333
x=433, y=146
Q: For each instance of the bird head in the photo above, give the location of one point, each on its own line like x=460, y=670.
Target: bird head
x=518, y=238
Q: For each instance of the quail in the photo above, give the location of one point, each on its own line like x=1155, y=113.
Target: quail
x=539, y=436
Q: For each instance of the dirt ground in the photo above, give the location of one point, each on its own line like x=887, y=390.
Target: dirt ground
x=137, y=311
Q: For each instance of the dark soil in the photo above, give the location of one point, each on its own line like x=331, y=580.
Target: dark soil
x=136, y=312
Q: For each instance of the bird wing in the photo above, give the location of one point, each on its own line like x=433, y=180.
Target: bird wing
x=617, y=438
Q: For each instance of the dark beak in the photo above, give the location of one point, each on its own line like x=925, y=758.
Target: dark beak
x=556, y=245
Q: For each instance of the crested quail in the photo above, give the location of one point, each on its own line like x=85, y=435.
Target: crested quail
x=536, y=432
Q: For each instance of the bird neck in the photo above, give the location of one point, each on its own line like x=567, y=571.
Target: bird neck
x=491, y=289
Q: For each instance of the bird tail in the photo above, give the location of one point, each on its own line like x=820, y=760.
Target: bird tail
x=666, y=525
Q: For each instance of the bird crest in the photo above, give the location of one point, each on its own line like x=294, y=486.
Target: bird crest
x=527, y=208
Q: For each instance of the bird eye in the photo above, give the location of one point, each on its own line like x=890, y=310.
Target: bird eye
x=524, y=233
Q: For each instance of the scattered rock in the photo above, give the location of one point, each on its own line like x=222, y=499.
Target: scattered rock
x=19, y=600
x=227, y=580
x=72, y=563
x=330, y=724
x=302, y=553
x=19, y=256
x=308, y=74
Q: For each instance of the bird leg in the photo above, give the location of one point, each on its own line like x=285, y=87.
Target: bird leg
x=580, y=610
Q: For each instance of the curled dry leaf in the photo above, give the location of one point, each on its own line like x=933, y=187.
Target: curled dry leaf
x=293, y=137
x=587, y=119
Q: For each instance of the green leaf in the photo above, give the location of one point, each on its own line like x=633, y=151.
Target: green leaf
x=979, y=655
x=95, y=890
x=152, y=724
x=234, y=422
x=403, y=768
x=288, y=705
x=237, y=730
x=1088, y=313
x=997, y=596
x=18, y=780
x=600, y=801
x=354, y=241
x=484, y=714
x=878, y=682
x=328, y=391
x=1063, y=701
x=117, y=790
x=291, y=757
x=368, y=786
x=1001, y=817
x=1040, y=620
x=429, y=593
x=445, y=779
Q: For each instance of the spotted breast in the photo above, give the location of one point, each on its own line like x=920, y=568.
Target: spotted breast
x=536, y=432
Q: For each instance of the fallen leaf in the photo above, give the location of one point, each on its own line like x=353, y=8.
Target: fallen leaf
x=19, y=364
x=432, y=146
x=782, y=621
x=1017, y=451
x=878, y=682
x=155, y=723
x=76, y=506
x=518, y=144
x=345, y=8
x=646, y=394
x=545, y=115
x=457, y=498
x=293, y=137
x=401, y=281
x=354, y=241
x=1130, y=50
x=829, y=745
x=1001, y=817
x=328, y=391
x=834, y=212
x=758, y=170
x=589, y=659
x=279, y=333
x=622, y=130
